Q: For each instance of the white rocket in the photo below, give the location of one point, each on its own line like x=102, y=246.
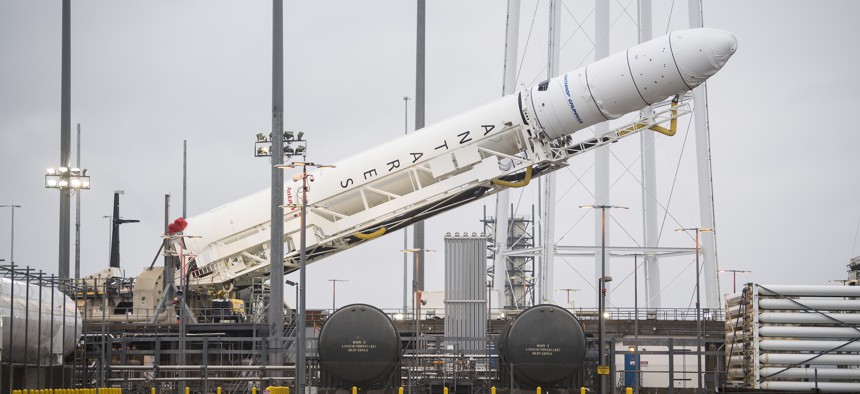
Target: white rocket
x=455, y=161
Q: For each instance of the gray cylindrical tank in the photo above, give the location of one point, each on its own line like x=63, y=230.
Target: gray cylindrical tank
x=545, y=346
x=21, y=312
x=359, y=345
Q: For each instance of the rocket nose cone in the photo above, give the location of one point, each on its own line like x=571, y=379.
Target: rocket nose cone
x=700, y=53
x=723, y=44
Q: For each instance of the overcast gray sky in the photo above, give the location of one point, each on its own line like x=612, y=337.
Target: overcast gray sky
x=148, y=75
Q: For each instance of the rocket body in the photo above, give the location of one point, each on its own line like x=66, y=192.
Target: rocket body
x=386, y=184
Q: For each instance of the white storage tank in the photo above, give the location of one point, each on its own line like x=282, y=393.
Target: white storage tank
x=36, y=328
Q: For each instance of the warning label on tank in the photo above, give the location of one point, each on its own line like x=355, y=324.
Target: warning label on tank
x=542, y=349
x=358, y=346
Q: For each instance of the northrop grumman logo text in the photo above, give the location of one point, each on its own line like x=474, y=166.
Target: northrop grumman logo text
x=570, y=101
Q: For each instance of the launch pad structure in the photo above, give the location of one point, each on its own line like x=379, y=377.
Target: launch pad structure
x=231, y=352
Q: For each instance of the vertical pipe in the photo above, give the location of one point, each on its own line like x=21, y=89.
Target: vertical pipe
x=548, y=197
x=636, y=319
x=503, y=198
x=601, y=289
x=183, y=317
x=649, y=182
x=78, y=214
x=63, y=343
x=169, y=275
x=184, y=178
x=301, y=346
x=26, y=317
x=601, y=155
x=51, y=348
x=39, y=331
x=698, y=318
x=12, y=234
x=405, y=230
x=706, y=187
x=65, y=137
x=672, y=366
x=103, y=341
x=11, y=327
x=276, y=247
x=418, y=228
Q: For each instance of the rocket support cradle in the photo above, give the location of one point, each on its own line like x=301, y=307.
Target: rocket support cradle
x=458, y=160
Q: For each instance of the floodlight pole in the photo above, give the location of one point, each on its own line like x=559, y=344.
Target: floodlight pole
x=698, y=319
x=698, y=307
x=735, y=277
x=416, y=299
x=601, y=292
x=301, y=346
x=276, y=242
x=65, y=137
x=334, y=292
x=405, y=231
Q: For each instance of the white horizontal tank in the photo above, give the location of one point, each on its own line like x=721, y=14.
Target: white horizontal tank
x=39, y=330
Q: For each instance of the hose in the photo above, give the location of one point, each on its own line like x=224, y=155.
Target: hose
x=370, y=236
x=525, y=181
x=673, y=124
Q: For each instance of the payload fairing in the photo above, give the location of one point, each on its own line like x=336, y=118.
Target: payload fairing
x=455, y=161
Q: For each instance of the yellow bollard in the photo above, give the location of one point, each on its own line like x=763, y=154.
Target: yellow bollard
x=354, y=390
x=628, y=390
x=400, y=390
x=582, y=390
x=219, y=389
x=538, y=390
x=253, y=389
x=445, y=390
x=187, y=390
x=493, y=390
x=152, y=390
